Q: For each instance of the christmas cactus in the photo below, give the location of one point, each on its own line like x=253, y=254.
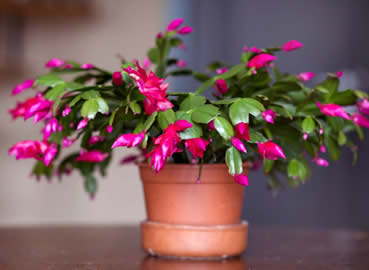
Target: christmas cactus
x=256, y=115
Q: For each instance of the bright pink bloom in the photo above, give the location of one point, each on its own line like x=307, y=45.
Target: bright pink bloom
x=50, y=127
x=82, y=123
x=159, y=35
x=68, y=66
x=146, y=63
x=339, y=74
x=152, y=88
x=261, y=60
x=321, y=162
x=92, y=156
x=37, y=106
x=269, y=116
x=185, y=30
x=19, y=88
x=238, y=144
x=242, y=131
x=67, y=142
x=255, y=50
x=305, y=136
x=40, y=150
x=241, y=179
x=306, y=76
x=181, y=125
x=181, y=63
x=221, y=70
x=66, y=110
x=157, y=159
x=109, y=129
x=18, y=111
x=333, y=110
x=363, y=106
x=221, y=86
x=321, y=131
x=174, y=24
x=95, y=139
x=270, y=150
x=129, y=140
x=292, y=45
x=360, y=120
x=196, y=146
x=54, y=63
x=87, y=66
x=323, y=149
x=245, y=49
x=117, y=78
x=211, y=125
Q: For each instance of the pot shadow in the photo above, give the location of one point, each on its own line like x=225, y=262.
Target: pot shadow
x=158, y=263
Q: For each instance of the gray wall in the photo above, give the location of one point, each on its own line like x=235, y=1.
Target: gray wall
x=335, y=36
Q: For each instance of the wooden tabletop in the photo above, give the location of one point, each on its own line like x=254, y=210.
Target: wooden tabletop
x=119, y=248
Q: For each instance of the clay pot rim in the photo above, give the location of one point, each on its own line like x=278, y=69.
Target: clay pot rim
x=247, y=165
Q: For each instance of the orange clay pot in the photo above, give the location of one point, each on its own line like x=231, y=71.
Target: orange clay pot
x=190, y=219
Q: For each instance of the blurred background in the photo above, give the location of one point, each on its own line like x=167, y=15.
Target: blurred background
x=335, y=37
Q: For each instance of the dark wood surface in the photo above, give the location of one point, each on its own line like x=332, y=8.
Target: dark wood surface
x=119, y=248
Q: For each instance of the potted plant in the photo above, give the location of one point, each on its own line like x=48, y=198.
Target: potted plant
x=194, y=151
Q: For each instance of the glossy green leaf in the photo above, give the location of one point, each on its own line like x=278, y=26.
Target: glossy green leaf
x=91, y=94
x=225, y=101
x=50, y=80
x=192, y=102
x=233, y=161
x=329, y=86
x=347, y=97
x=189, y=133
x=308, y=125
x=154, y=55
x=205, y=113
x=103, y=106
x=150, y=120
x=341, y=138
x=135, y=107
x=296, y=169
x=165, y=118
x=239, y=111
x=89, y=108
x=268, y=165
x=223, y=127
x=256, y=136
x=332, y=146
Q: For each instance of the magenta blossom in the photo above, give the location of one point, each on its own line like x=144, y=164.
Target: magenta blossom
x=40, y=150
x=181, y=63
x=255, y=50
x=87, y=66
x=221, y=70
x=174, y=24
x=93, y=156
x=339, y=74
x=261, y=60
x=221, y=86
x=242, y=131
x=306, y=76
x=196, y=146
x=82, y=123
x=50, y=127
x=270, y=150
x=333, y=110
x=211, y=125
x=321, y=131
x=109, y=129
x=241, y=179
x=152, y=88
x=66, y=110
x=67, y=142
x=245, y=49
x=19, y=88
x=95, y=139
x=185, y=30
x=363, y=106
x=117, y=78
x=322, y=149
x=321, y=162
x=238, y=144
x=146, y=63
x=68, y=66
x=305, y=136
x=54, y=63
x=360, y=120
x=129, y=140
x=292, y=45
x=269, y=116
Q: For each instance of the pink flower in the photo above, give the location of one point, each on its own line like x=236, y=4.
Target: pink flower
x=306, y=76
x=339, y=74
x=159, y=35
x=117, y=78
x=68, y=66
x=255, y=50
x=54, y=63
x=66, y=110
x=245, y=49
x=185, y=30
x=181, y=63
x=221, y=86
x=333, y=110
x=221, y=70
x=18, y=111
x=196, y=146
x=146, y=63
x=238, y=144
x=261, y=60
x=87, y=66
x=67, y=142
x=152, y=88
x=242, y=131
x=323, y=149
x=95, y=139
x=363, y=106
x=269, y=116
x=50, y=127
x=157, y=159
x=181, y=125
x=321, y=131
x=40, y=150
x=19, y=88
x=174, y=24
x=321, y=162
x=82, y=123
x=129, y=140
x=109, y=129
x=270, y=150
x=241, y=179
x=92, y=156
x=291, y=45
x=211, y=125
x=305, y=136
x=37, y=106
x=360, y=120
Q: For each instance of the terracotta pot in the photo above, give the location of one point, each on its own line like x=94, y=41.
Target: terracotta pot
x=190, y=219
